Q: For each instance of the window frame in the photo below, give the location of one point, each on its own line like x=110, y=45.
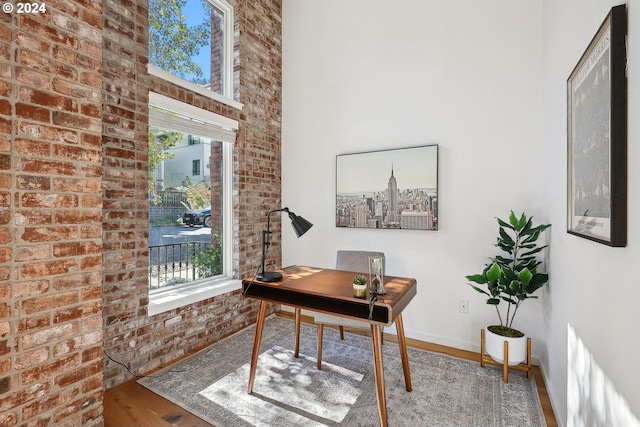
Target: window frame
x=173, y=297
x=227, y=62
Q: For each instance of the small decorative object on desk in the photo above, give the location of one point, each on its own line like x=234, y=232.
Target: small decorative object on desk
x=376, y=275
x=359, y=286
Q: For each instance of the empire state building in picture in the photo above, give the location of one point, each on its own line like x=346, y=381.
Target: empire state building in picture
x=393, y=214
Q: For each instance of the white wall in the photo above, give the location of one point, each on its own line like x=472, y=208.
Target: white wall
x=472, y=77
x=594, y=288
x=367, y=75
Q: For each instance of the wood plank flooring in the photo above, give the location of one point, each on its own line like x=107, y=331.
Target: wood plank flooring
x=132, y=405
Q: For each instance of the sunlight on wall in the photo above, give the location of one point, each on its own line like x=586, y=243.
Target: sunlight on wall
x=592, y=400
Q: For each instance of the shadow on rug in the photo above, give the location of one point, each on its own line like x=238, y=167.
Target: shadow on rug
x=292, y=392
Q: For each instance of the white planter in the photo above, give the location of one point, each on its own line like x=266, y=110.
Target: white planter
x=494, y=347
x=359, y=291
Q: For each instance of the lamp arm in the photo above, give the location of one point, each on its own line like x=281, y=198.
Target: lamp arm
x=266, y=241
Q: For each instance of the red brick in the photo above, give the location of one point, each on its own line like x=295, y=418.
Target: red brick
x=48, y=133
x=5, y=255
x=77, y=185
x=32, y=77
x=5, y=180
x=31, y=42
x=65, y=315
x=46, y=336
x=5, y=107
x=49, y=167
x=77, y=217
x=44, y=303
x=80, y=374
x=50, y=65
x=44, y=269
x=33, y=217
x=5, y=88
x=32, y=323
x=75, y=121
x=33, y=148
x=5, y=311
x=49, y=32
x=7, y=419
x=5, y=127
x=32, y=112
x=31, y=182
x=5, y=199
x=5, y=236
x=20, y=397
x=48, y=200
x=46, y=99
x=26, y=360
x=76, y=153
x=32, y=253
x=69, y=249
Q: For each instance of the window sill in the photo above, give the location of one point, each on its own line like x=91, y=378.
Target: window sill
x=157, y=72
x=170, y=299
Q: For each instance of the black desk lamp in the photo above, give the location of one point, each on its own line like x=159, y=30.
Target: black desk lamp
x=300, y=226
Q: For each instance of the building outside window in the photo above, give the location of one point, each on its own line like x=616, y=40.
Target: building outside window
x=195, y=167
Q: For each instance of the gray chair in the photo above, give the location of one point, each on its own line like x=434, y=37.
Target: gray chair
x=358, y=262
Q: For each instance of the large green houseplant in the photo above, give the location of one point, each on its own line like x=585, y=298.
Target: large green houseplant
x=512, y=277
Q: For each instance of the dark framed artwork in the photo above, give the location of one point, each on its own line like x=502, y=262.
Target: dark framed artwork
x=388, y=189
x=597, y=136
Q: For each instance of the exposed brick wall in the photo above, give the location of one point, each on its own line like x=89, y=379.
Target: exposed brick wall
x=51, y=216
x=130, y=335
x=73, y=202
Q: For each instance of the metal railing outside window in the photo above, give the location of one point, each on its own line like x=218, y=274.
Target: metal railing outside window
x=174, y=264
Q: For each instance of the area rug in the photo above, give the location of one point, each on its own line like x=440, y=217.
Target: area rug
x=291, y=391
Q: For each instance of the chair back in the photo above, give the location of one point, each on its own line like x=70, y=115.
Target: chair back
x=357, y=261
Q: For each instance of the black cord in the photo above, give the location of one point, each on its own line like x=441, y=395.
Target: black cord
x=255, y=275
x=144, y=376
x=244, y=291
x=372, y=302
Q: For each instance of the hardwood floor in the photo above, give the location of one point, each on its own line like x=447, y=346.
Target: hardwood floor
x=132, y=405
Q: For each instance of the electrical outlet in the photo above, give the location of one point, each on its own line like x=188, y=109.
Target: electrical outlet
x=463, y=306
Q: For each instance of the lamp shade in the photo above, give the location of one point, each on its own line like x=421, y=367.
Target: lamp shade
x=299, y=224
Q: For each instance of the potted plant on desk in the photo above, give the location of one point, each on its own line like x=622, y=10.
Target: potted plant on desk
x=359, y=286
x=512, y=278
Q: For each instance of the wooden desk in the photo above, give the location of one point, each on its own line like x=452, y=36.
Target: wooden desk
x=331, y=291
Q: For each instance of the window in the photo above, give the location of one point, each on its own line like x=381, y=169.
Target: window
x=191, y=259
x=191, y=44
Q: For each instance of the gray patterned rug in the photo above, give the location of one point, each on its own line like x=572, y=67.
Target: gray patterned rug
x=291, y=392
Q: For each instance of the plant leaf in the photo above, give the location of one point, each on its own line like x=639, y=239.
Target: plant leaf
x=477, y=278
x=494, y=273
x=514, y=221
x=525, y=276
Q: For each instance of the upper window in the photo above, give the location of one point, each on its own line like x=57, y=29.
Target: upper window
x=193, y=41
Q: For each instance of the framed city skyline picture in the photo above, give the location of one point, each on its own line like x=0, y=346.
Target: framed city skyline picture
x=388, y=189
x=597, y=136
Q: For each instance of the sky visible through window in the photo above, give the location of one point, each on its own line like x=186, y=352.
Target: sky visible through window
x=194, y=13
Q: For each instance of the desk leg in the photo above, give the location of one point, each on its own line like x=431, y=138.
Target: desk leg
x=377, y=356
x=256, y=343
x=297, y=352
x=403, y=352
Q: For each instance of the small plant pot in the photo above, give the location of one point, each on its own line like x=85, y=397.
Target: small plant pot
x=359, y=291
x=494, y=347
